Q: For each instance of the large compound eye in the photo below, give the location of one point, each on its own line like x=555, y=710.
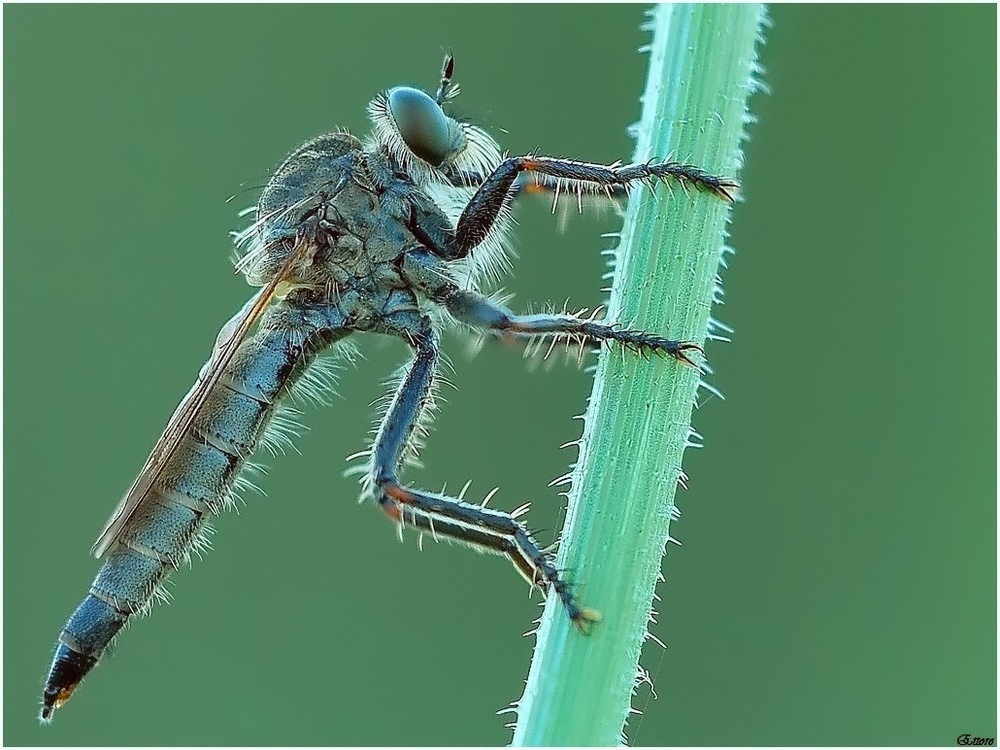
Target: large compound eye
x=422, y=124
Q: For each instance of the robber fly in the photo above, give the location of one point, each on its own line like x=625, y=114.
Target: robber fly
x=392, y=235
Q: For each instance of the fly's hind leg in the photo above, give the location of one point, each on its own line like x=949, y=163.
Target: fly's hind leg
x=449, y=517
x=481, y=312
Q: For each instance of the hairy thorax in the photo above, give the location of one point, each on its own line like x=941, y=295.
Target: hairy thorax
x=348, y=214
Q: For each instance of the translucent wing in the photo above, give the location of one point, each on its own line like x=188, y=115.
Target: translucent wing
x=227, y=342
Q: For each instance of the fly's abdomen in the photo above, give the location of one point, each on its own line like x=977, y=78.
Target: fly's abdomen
x=198, y=481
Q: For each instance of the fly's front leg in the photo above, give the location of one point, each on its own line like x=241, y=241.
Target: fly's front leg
x=481, y=212
x=481, y=312
x=525, y=184
x=450, y=517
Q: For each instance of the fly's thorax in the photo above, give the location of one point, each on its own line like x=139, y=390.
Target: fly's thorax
x=343, y=202
x=355, y=238
x=294, y=202
x=315, y=171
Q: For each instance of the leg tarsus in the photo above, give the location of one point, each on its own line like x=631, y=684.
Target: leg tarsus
x=486, y=529
x=586, y=619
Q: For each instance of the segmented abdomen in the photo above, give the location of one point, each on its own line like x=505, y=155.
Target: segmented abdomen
x=198, y=481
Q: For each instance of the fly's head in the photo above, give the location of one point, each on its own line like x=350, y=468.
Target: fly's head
x=412, y=127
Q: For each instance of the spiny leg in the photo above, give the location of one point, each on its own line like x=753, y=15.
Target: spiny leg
x=482, y=312
x=482, y=210
x=527, y=184
x=432, y=233
x=449, y=517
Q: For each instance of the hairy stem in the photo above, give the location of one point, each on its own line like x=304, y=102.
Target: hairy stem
x=701, y=73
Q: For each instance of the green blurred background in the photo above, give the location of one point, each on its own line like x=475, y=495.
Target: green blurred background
x=837, y=584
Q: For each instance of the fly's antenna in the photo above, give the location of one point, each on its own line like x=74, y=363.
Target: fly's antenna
x=446, y=89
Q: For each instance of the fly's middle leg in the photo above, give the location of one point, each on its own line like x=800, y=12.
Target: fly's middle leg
x=449, y=517
x=481, y=312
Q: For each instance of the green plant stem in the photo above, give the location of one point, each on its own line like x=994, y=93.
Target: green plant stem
x=701, y=73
